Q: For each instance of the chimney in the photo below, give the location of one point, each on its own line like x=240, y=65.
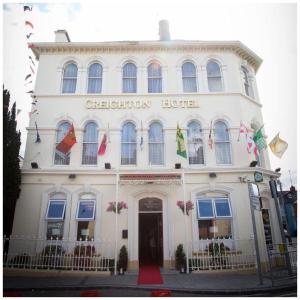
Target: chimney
x=164, y=33
x=61, y=36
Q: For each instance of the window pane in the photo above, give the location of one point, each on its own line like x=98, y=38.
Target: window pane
x=55, y=230
x=69, y=79
x=89, y=154
x=222, y=208
x=205, y=209
x=154, y=78
x=56, y=209
x=86, y=210
x=95, y=85
x=156, y=144
x=85, y=230
x=215, y=228
x=215, y=84
x=95, y=70
x=205, y=231
x=195, y=143
x=221, y=132
x=213, y=69
x=69, y=85
x=70, y=70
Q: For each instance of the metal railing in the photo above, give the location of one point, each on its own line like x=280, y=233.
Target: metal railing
x=222, y=254
x=56, y=254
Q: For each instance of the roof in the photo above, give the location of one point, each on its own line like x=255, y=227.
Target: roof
x=172, y=45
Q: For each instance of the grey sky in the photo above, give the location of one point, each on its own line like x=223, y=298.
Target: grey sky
x=268, y=29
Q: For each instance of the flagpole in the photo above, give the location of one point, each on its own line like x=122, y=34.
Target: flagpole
x=185, y=224
x=116, y=221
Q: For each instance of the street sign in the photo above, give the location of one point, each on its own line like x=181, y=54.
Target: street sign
x=258, y=176
x=254, y=195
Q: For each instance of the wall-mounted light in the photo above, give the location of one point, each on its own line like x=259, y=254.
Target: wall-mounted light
x=72, y=176
x=212, y=175
x=178, y=166
x=107, y=166
x=34, y=165
x=253, y=164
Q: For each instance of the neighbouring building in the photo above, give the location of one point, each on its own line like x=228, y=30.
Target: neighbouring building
x=134, y=94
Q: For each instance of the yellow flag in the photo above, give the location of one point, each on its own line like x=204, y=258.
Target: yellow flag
x=278, y=146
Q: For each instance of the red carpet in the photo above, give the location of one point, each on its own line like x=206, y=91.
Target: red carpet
x=149, y=274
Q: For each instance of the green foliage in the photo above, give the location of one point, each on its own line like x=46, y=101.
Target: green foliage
x=11, y=163
x=180, y=259
x=123, y=259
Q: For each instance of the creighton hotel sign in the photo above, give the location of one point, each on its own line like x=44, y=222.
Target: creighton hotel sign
x=131, y=104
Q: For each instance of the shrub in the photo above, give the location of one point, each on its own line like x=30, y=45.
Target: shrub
x=180, y=259
x=123, y=259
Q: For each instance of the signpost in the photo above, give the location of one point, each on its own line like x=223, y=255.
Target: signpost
x=255, y=204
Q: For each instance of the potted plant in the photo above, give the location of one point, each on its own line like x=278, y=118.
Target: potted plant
x=188, y=206
x=180, y=259
x=123, y=260
x=112, y=207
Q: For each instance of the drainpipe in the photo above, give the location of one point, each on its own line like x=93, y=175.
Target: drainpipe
x=116, y=225
x=185, y=224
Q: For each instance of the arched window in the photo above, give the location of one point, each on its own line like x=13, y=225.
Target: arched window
x=156, y=144
x=154, y=78
x=247, y=83
x=95, y=79
x=61, y=158
x=90, y=144
x=85, y=216
x=189, y=78
x=214, y=77
x=129, y=78
x=69, y=78
x=222, y=143
x=195, y=143
x=55, y=216
x=128, y=152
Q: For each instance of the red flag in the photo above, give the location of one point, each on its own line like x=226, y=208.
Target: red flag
x=68, y=141
x=103, y=145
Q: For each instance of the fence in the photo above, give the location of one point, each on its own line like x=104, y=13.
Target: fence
x=219, y=254
x=28, y=253
x=278, y=264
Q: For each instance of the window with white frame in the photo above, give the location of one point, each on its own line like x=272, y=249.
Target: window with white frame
x=90, y=144
x=85, y=217
x=59, y=157
x=129, y=78
x=156, y=144
x=214, y=218
x=128, y=144
x=195, y=143
x=189, y=78
x=214, y=77
x=69, y=78
x=154, y=78
x=222, y=143
x=247, y=83
x=95, y=78
x=55, y=216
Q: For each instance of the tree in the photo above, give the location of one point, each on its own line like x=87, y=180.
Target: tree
x=11, y=163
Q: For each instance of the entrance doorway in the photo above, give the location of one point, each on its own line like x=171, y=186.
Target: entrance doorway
x=150, y=232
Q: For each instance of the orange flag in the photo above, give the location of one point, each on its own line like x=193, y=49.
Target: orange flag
x=68, y=141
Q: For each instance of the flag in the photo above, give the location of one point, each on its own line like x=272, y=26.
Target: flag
x=251, y=146
x=103, y=145
x=27, y=7
x=278, y=146
x=68, y=141
x=38, y=139
x=142, y=138
x=29, y=23
x=210, y=141
x=180, y=143
x=259, y=140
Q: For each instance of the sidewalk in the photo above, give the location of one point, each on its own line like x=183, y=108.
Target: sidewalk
x=202, y=283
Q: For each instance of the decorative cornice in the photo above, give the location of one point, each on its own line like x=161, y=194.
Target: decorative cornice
x=171, y=46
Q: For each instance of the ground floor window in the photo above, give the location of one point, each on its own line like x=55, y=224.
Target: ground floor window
x=55, y=230
x=85, y=230
x=214, y=218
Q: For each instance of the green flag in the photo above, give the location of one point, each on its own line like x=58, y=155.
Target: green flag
x=259, y=140
x=180, y=143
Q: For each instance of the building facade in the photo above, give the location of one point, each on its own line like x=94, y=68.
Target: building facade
x=135, y=94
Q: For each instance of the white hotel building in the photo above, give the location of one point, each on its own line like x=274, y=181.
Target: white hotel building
x=134, y=90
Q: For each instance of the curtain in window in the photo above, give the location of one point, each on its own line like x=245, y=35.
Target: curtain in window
x=156, y=144
x=95, y=79
x=128, y=147
x=60, y=158
x=69, y=78
x=129, y=78
x=214, y=77
x=222, y=143
x=195, y=143
x=247, y=83
x=90, y=144
x=189, y=78
x=154, y=78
